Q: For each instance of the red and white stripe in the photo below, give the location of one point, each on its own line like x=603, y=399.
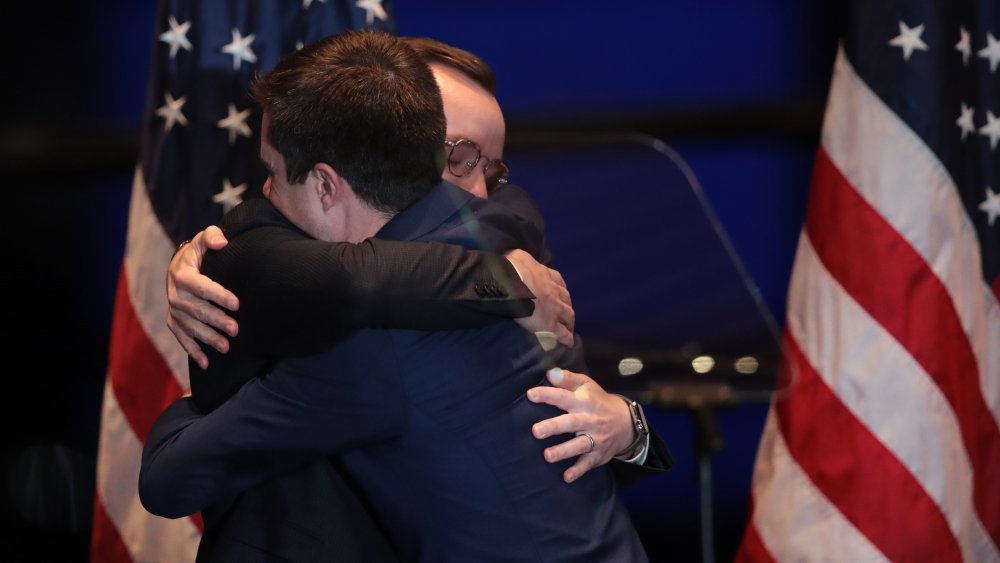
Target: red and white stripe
x=147, y=370
x=885, y=442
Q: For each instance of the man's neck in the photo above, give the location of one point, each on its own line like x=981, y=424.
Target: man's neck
x=364, y=222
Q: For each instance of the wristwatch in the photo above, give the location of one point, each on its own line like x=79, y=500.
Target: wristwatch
x=639, y=426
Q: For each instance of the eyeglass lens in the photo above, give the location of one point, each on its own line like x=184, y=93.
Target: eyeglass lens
x=463, y=158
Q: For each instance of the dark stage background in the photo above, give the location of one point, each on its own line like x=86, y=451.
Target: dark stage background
x=736, y=88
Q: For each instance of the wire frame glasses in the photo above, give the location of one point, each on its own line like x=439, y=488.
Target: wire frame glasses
x=463, y=157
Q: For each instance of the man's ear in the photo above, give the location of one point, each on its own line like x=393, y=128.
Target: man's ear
x=329, y=185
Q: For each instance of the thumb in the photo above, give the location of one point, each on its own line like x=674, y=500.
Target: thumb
x=214, y=238
x=565, y=379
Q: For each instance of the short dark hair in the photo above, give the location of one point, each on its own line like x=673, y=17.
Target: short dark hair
x=366, y=104
x=433, y=51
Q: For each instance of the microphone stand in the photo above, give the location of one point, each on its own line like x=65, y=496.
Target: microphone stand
x=700, y=402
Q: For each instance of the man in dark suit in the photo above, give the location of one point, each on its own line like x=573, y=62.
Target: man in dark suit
x=431, y=425
x=475, y=139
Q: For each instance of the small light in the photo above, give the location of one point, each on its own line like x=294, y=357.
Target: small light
x=746, y=365
x=703, y=364
x=629, y=366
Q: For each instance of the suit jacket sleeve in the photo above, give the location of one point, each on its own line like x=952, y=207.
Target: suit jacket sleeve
x=303, y=294
x=295, y=415
x=375, y=283
x=658, y=460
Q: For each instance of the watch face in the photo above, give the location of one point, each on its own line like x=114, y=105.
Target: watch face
x=640, y=419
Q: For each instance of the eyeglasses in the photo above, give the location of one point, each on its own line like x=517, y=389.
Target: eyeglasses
x=464, y=155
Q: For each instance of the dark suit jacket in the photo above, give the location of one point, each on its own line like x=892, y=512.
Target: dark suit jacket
x=370, y=387
x=299, y=296
x=309, y=514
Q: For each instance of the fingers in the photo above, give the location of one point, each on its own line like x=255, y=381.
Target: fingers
x=560, y=283
x=559, y=289
x=194, y=315
x=577, y=446
x=589, y=454
x=567, y=319
x=210, y=291
x=192, y=310
x=566, y=379
x=184, y=325
x=557, y=277
x=552, y=323
x=564, y=336
x=565, y=316
x=195, y=294
x=184, y=273
x=193, y=351
x=189, y=345
x=563, y=325
x=582, y=465
x=563, y=424
x=568, y=393
x=590, y=410
x=553, y=305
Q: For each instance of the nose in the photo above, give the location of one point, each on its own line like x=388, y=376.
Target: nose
x=474, y=183
x=478, y=187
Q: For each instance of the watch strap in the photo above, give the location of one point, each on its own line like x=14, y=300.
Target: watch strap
x=640, y=428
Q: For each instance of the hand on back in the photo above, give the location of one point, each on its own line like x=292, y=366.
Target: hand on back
x=196, y=312
x=554, y=316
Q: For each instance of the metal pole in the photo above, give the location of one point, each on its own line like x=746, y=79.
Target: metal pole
x=708, y=440
x=705, y=480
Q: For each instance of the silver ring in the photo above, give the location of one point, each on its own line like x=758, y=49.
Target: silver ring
x=593, y=444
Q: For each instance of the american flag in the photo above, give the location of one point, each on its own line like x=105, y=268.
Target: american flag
x=198, y=158
x=884, y=443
